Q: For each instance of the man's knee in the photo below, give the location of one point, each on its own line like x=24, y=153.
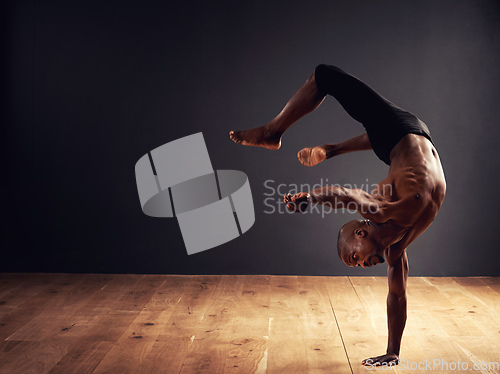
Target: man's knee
x=320, y=72
x=325, y=77
x=319, y=78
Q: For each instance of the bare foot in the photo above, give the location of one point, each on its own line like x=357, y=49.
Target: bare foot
x=312, y=156
x=257, y=137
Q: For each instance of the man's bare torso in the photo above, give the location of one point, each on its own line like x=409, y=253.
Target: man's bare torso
x=414, y=188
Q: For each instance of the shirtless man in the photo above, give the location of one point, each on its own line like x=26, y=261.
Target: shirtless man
x=400, y=208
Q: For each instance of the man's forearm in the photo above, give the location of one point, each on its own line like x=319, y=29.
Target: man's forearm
x=396, y=320
x=335, y=196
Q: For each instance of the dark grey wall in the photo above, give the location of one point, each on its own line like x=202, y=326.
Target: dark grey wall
x=92, y=86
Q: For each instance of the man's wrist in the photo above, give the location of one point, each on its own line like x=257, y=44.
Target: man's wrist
x=310, y=198
x=392, y=352
x=331, y=150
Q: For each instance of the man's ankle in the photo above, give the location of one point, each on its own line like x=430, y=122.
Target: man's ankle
x=331, y=150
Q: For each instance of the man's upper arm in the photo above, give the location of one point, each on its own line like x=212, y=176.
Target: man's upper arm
x=371, y=207
x=397, y=274
x=376, y=208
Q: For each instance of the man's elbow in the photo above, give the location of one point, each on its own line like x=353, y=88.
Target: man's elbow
x=398, y=294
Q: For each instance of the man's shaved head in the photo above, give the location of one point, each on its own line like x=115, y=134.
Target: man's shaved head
x=345, y=245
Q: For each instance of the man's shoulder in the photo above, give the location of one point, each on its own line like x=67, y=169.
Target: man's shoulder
x=415, y=228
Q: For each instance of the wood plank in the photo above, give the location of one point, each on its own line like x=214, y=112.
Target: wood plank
x=252, y=316
x=493, y=283
x=445, y=353
x=349, y=311
x=167, y=353
x=129, y=353
x=182, y=325
x=32, y=281
x=424, y=312
x=356, y=328
x=247, y=355
x=103, y=316
x=247, y=352
x=480, y=288
x=56, y=319
x=191, y=307
x=324, y=346
x=34, y=298
x=484, y=352
x=372, y=292
x=210, y=346
x=287, y=351
x=184, y=322
x=96, y=319
x=469, y=314
x=30, y=290
x=413, y=359
x=82, y=357
x=31, y=356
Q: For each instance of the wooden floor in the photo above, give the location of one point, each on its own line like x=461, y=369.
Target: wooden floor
x=86, y=323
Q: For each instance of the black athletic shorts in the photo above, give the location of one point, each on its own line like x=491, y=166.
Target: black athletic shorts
x=384, y=122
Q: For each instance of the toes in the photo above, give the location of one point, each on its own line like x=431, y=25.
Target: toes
x=233, y=137
x=304, y=158
x=300, y=157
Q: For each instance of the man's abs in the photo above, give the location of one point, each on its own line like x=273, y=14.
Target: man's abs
x=415, y=185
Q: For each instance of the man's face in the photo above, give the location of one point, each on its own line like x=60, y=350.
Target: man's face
x=365, y=258
x=365, y=253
